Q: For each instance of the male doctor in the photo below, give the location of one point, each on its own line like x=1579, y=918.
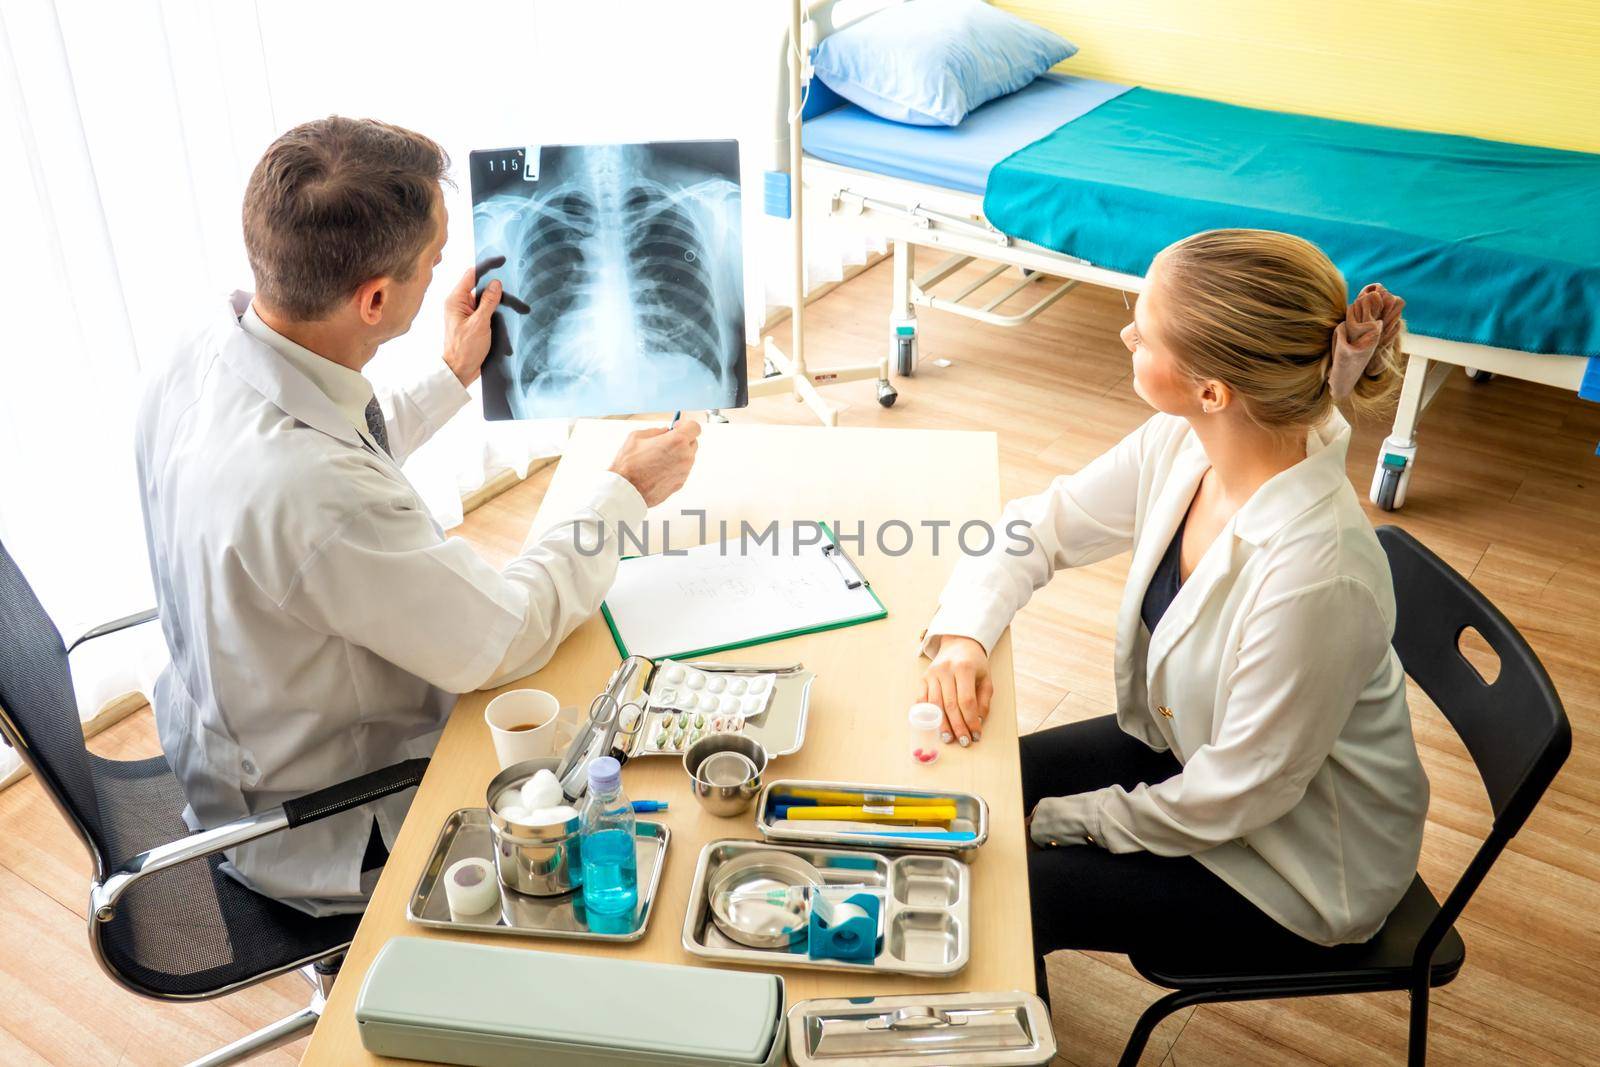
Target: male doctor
x=318, y=619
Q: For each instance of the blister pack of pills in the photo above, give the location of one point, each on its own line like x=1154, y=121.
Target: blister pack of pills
x=686, y=703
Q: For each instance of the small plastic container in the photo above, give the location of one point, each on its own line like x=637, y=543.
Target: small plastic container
x=925, y=722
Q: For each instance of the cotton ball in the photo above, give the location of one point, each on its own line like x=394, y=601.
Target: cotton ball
x=543, y=790
x=515, y=813
x=550, y=816
x=508, y=799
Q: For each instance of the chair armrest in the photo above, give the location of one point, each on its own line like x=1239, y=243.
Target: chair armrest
x=114, y=625
x=353, y=793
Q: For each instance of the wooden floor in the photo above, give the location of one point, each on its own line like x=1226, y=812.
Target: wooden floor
x=1507, y=490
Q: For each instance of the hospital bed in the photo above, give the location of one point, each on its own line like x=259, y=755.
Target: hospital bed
x=917, y=187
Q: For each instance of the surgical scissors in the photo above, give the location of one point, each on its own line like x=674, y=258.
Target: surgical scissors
x=607, y=717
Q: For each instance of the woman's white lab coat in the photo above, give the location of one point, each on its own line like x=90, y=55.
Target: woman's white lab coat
x=1270, y=678
x=318, y=619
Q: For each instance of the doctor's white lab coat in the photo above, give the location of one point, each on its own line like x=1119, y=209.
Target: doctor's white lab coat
x=318, y=619
x=1270, y=678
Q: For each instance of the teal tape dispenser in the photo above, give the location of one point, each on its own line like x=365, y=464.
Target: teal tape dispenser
x=845, y=930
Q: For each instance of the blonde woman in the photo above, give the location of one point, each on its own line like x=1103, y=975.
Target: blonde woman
x=1259, y=780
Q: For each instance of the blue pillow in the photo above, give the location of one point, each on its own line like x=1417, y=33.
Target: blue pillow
x=929, y=62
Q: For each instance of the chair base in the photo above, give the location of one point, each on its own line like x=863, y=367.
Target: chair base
x=275, y=1035
x=267, y=1038
x=1144, y=1029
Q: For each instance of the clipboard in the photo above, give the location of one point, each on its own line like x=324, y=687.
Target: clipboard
x=712, y=598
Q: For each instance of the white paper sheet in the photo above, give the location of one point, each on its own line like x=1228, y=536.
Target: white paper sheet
x=713, y=597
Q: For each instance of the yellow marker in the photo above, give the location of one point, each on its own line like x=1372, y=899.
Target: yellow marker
x=887, y=813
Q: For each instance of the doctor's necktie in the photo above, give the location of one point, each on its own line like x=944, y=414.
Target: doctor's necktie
x=379, y=428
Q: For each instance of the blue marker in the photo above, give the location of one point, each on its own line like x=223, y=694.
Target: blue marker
x=924, y=835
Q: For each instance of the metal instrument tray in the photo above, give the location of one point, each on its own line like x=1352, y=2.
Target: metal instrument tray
x=989, y=1029
x=781, y=729
x=972, y=814
x=466, y=833
x=926, y=919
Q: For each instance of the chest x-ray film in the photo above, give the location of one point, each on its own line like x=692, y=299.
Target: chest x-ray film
x=623, y=278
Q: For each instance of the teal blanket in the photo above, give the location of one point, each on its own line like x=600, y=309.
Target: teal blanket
x=1489, y=243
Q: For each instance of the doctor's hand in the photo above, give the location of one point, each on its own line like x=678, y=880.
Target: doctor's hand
x=958, y=681
x=467, y=322
x=657, y=461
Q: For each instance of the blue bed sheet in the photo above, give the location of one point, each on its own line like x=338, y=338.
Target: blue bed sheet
x=1490, y=243
x=954, y=157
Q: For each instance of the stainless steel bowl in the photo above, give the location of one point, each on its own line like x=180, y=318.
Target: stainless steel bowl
x=541, y=861
x=725, y=772
x=760, y=899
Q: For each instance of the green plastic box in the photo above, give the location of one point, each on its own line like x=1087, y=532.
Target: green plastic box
x=456, y=1002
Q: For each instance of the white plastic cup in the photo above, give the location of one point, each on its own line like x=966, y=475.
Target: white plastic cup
x=527, y=724
x=925, y=722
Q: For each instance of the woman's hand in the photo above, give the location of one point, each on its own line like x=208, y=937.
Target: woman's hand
x=958, y=681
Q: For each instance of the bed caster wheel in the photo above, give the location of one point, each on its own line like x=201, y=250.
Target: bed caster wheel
x=1390, y=480
x=1388, y=490
x=1479, y=377
x=1392, y=475
x=887, y=394
x=905, y=356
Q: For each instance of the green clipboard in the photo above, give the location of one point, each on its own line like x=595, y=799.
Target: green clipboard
x=869, y=609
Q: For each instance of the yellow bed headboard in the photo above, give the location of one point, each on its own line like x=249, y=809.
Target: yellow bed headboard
x=1511, y=70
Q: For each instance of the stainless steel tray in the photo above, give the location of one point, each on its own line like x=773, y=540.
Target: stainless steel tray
x=972, y=814
x=781, y=729
x=927, y=909
x=989, y=1029
x=466, y=833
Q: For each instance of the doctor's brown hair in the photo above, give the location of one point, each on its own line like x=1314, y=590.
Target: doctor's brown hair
x=1256, y=309
x=337, y=202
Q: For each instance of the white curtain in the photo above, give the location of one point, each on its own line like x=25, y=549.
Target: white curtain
x=129, y=131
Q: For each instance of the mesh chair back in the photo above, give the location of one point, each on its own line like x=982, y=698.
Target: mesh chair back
x=36, y=693
x=188, y=931
x=1515, y=727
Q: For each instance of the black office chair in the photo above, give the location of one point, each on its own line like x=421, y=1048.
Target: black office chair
x=165, y=922
x=1517, y=734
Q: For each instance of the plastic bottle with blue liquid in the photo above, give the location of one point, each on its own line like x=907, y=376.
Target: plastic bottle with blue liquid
x=606, y=843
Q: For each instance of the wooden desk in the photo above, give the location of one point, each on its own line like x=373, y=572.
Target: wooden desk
x=857, y=729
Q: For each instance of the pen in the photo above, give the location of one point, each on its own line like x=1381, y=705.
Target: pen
x=675, y=416
x=924, y=835
x=856, y=829
x=644, y=807
x=811, y=798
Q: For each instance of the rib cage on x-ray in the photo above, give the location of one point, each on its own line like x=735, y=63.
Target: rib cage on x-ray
x=631, y=271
